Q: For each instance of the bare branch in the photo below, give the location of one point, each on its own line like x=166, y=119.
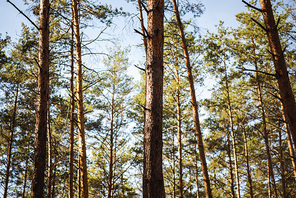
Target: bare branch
x=259, y=25
x=251, y=6
x=245, y=69
x=140, y=68
x=23, y=14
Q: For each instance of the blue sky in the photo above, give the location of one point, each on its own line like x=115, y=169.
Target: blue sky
x=225, y=10
x=215, y=10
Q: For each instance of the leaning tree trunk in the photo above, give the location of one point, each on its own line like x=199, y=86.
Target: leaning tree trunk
x=80, y=110
x=72, y=117
x=153, y=184
x=9, y=154
x=41, y=114
x=194, y=105
x=284, y=84
x=290, y=144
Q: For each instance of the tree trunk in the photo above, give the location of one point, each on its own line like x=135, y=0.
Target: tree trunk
x=72, y=109
x=247, y=161
x=43, y=92
x=9, y=154
x=232, y=131
x=194, y=105
x=174, y=174
x=282, y=163
x=153, y=184
x=142, y=26
x=80, y=110
x=265, y=133
x=110, y=177
x=179, y=136
x=230, y=166
x=290, y=144
x=25, y=179
x=196, y=172
x=284, y=84
x=49, y=157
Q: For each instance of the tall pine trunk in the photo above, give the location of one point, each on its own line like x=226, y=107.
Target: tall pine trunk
x=179, y=136
x=247, y=161
x=290, y=144
x=196, y=171
x=284, y=84
x=230, y=165
x=282, y=163
x=110, y=176
x=194, y=105
x=49, y=156
x=265, y=134
x=153, y=184
x=72, y=109
x=232, y=130
x=10, y=142
x=25, y=179
x=43, y=93
x=80, y=110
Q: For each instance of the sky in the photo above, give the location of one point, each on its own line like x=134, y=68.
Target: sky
x=215, y=10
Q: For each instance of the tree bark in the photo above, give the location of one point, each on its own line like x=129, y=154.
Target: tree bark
x=153, y=184
x=179, y=136
x=290, y=144
x=80, y=110
x=196, y=171
x=41, y=116
x=25, y=179
x=230, y=166
x=110, y=176
x=49, y=157
x=194, y=105
x=72, y=109
x=232, y=130
x=9, y=154
x=284, y=84
x=248, y=163
x=265, y=133
x=282, y=163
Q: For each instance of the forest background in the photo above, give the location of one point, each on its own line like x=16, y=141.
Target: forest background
x=113, y=56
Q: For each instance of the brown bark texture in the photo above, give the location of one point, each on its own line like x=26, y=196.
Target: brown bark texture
x=41, y=114
x=290, y=144
x=247, y=161
x=80, y=110
x=72, y=109
x=194, y=105
x=10, y=141
x=232, y=131
x=283, y=80
x=153, y=184
x=265, y=134
x=230, y=165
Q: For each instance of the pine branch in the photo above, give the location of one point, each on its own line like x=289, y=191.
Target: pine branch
x=259, y=25
x=251, y=6
x=140, y=68
x=245, y=69
x=23, y=14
